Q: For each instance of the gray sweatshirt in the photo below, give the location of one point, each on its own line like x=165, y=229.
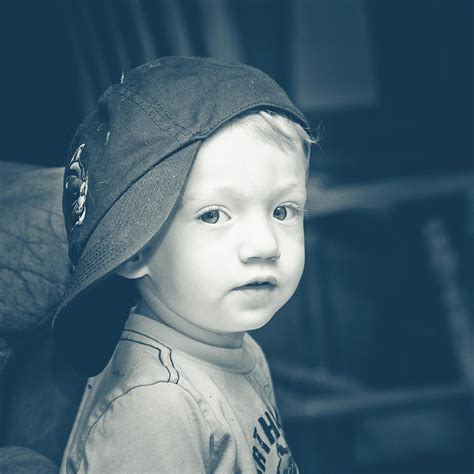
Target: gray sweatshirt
x=168, y=403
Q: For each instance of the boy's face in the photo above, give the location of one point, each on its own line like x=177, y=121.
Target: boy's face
x=233, y=253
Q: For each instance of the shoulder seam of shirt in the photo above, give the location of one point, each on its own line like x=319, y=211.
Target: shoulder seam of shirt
x=126, y=393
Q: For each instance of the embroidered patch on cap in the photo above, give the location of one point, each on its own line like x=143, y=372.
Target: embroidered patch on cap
x=75, y=189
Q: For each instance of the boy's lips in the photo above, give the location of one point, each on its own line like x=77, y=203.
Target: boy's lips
x=256, y=292
x=258, y=283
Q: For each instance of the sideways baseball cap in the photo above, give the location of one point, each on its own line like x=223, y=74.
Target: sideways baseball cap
x=128, y=165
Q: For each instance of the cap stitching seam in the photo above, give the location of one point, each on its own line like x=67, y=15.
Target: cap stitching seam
x=157, y=107
x=133, y=97
x=153, y=102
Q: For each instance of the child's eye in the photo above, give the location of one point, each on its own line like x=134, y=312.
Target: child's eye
x=212, y=216
x=280, y=213
x=286, y=212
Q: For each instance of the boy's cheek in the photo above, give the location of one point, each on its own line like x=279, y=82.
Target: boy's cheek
x=296, y=260
x=300, y=267
x=293, y=243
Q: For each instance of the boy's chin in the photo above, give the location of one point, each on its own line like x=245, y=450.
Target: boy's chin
x=251, y=322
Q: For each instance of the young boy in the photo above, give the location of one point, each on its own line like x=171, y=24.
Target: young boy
x=188, y=184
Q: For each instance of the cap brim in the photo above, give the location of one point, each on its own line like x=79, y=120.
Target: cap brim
x=89, y=321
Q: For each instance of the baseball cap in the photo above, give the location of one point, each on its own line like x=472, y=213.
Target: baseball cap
x=129, y=161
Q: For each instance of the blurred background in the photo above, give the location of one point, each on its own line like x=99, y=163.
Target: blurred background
x=373, y=358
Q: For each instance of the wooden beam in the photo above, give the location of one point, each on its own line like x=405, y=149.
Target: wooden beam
x=144, y=33
x=382, y=194
x=176, y=28
x=316, y=379
x=220, y=34
x=298, y=407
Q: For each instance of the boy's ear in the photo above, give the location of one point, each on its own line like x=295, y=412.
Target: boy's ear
x=133, y=268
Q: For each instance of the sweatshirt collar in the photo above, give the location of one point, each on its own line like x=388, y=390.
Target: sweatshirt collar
x=239, y=360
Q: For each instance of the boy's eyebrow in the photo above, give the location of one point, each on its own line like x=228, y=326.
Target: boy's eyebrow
x=236, y=194
x=227, y=190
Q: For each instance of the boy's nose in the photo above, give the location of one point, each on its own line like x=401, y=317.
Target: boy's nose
x=259, y=243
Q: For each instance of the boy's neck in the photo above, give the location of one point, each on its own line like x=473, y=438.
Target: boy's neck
x=231, y=340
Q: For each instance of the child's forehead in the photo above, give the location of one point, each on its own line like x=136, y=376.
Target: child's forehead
x=236, y=162
x=238, y=134
x=240, y=138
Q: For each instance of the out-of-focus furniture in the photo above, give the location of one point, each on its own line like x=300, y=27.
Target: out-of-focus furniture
x=38, y=395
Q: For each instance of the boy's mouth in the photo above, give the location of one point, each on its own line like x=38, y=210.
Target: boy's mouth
x=265, y=283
